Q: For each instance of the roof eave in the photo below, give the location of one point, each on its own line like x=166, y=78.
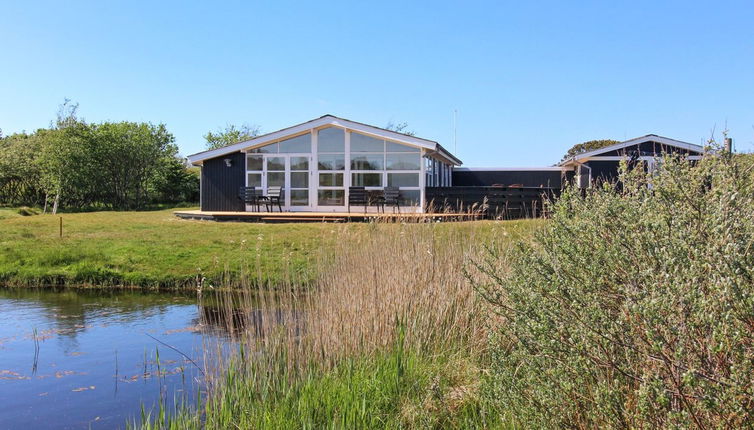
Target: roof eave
x=325, y=120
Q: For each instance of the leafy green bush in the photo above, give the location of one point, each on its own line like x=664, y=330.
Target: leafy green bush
x=634, y=306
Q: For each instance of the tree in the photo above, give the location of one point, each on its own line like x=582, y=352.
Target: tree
x=230, y=135
x=73, y=164
x=129, y=155
x=591, y=145
x=400, y=127
x=174, y=182
x=19, y=174
x=63, y=159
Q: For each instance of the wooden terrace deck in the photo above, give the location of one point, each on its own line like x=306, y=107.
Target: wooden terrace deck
x=280, y=217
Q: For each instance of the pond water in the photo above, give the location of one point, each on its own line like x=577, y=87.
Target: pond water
x=84, y=359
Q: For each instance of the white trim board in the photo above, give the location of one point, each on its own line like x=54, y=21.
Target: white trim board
x=643, y=158
x=508, y=169
x=326, y=120
x=636, y=141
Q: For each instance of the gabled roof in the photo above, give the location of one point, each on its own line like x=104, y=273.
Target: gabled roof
x=323, y=121
x=665, y=141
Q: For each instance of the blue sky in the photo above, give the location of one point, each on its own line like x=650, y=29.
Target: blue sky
x=528, y=79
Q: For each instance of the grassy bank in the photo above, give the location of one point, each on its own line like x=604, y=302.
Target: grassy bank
x=156, y=249
x=150, y=249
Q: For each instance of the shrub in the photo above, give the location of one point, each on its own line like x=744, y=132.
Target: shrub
x=27, y=211
x=634, y=306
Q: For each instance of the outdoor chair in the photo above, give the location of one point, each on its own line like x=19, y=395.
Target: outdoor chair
x=391, y=197
x=376, y=198
x=251, y=196
x=273, y=197
x=357, y=196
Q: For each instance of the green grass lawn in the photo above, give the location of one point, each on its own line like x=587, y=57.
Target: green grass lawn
x=151, y=249
x=6, y=213
x=156, y=249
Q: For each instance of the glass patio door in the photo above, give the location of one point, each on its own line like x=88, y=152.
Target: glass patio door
x=292, y=172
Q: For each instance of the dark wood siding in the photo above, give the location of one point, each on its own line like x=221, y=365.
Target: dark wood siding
x=220, y=183
x=488, y=178
x=648, y=149
x=493, y=202
x=604, y=170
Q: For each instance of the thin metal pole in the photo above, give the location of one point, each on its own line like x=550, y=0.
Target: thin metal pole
x=455, y=132
x=61, y=227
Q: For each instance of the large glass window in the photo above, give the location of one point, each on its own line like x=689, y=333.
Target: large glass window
x=331, y=139
x=402, y=179
x=299, y=163
x=275, y=179
x=254, y=180
x=253, y=162
x=275, y=163
x=330, y=179
x=363, y=143
x=366, y=179
x=367, y=162
x=403, y=161
x=267, y=149
x=331, y=162
x=299, y=179
x=331, y=197
x=299, y=197
x=397, y=147
x=299, y=144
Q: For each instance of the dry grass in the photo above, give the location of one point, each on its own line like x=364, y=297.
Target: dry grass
x=394, y=328
x=373, y=281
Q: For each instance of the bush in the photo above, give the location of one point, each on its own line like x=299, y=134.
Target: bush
x=634, y=306
x=27, y=211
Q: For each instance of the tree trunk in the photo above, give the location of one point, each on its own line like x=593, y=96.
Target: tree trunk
x=45, y=209
x=55, y=203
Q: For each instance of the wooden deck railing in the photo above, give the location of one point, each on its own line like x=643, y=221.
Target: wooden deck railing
x=493, y=202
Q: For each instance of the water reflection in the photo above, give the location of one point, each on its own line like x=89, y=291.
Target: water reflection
x=80, y=359
x=254, y=321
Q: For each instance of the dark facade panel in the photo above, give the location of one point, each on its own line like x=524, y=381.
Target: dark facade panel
x=525, y=178
x=493, y=202
x=220, y=183
x=604, y=171
x=650, y=149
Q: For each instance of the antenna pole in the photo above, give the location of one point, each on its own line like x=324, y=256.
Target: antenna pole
x=455, y=132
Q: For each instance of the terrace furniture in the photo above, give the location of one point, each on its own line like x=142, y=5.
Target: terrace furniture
x=376, y=198
x=391, y=196
x=251, y=196
x=357, y=196
x=273, y=198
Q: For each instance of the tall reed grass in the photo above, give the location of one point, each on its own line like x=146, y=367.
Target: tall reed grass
x=389, y=337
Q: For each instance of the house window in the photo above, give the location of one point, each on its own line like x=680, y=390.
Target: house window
x=299, y=144
x=402, y=179
x=254, y=165
x=378, y=163
x=254, y=162
x=330, y=179
x=364, y=143
x=366, y=179
x=331, y=139
x=331, y=164
x=367, y=162
x=267, y=149
x=403, y=162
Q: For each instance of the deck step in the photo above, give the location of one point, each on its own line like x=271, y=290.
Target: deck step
x=300, y=219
